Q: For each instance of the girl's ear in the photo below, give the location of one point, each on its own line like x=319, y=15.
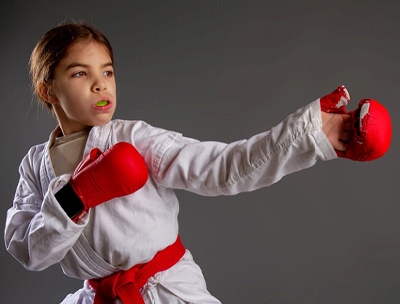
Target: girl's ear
x=45, y=92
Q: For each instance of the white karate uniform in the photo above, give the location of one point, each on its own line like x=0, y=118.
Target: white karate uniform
x=130, y=230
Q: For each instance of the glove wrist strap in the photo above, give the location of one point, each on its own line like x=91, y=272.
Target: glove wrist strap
x=70, y=202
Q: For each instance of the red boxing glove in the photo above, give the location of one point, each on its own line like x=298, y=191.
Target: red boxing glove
x=372, y=132
x=372, y=128
x=100, y=177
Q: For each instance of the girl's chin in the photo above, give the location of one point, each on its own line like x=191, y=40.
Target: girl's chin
x=102, y=122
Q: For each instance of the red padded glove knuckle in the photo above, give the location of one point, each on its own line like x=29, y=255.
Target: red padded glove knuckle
x=100, y=177
x=372, y=129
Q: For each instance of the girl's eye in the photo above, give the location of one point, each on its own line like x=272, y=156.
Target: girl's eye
x=109, y=73
x=79, y=74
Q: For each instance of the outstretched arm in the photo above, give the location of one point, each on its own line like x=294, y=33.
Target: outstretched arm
x=215, y=168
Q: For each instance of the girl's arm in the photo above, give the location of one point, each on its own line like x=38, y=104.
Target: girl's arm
x=38, y=232
x=212, y=168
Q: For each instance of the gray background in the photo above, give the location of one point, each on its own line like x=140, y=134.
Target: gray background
x=224, y=70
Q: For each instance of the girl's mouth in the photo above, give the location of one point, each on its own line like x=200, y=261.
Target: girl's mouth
x=102, y=103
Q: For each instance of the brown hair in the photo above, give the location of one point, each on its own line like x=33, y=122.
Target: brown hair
x=52, y=47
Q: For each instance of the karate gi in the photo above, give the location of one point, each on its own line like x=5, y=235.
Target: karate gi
x=130, y=230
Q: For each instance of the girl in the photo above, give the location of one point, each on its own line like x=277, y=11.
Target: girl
x=124, y=243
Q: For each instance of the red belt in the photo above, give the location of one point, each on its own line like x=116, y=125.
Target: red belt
x=126, y=285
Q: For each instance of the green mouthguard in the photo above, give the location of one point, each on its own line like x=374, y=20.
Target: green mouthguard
x=102, y=103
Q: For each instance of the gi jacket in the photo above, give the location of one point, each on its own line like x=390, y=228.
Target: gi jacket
x=129, y=230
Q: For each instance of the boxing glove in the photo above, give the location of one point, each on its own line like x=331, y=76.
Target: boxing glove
x=371, y=126
x=372, y=132
x=102, y=176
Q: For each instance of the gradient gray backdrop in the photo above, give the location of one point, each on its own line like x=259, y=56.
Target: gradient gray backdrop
x=224, y=70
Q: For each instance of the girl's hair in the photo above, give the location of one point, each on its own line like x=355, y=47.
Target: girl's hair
x=53, y=46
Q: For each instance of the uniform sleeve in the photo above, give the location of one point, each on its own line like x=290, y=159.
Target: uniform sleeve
x=214, y=168
x=38, y=232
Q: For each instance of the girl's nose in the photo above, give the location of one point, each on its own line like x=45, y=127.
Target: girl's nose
x=99, y=85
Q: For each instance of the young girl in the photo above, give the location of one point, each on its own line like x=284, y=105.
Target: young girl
x=111, y=219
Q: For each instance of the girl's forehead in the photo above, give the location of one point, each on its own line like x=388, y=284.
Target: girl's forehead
x=86, y=48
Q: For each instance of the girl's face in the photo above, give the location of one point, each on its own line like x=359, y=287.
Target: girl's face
x=83, y=91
